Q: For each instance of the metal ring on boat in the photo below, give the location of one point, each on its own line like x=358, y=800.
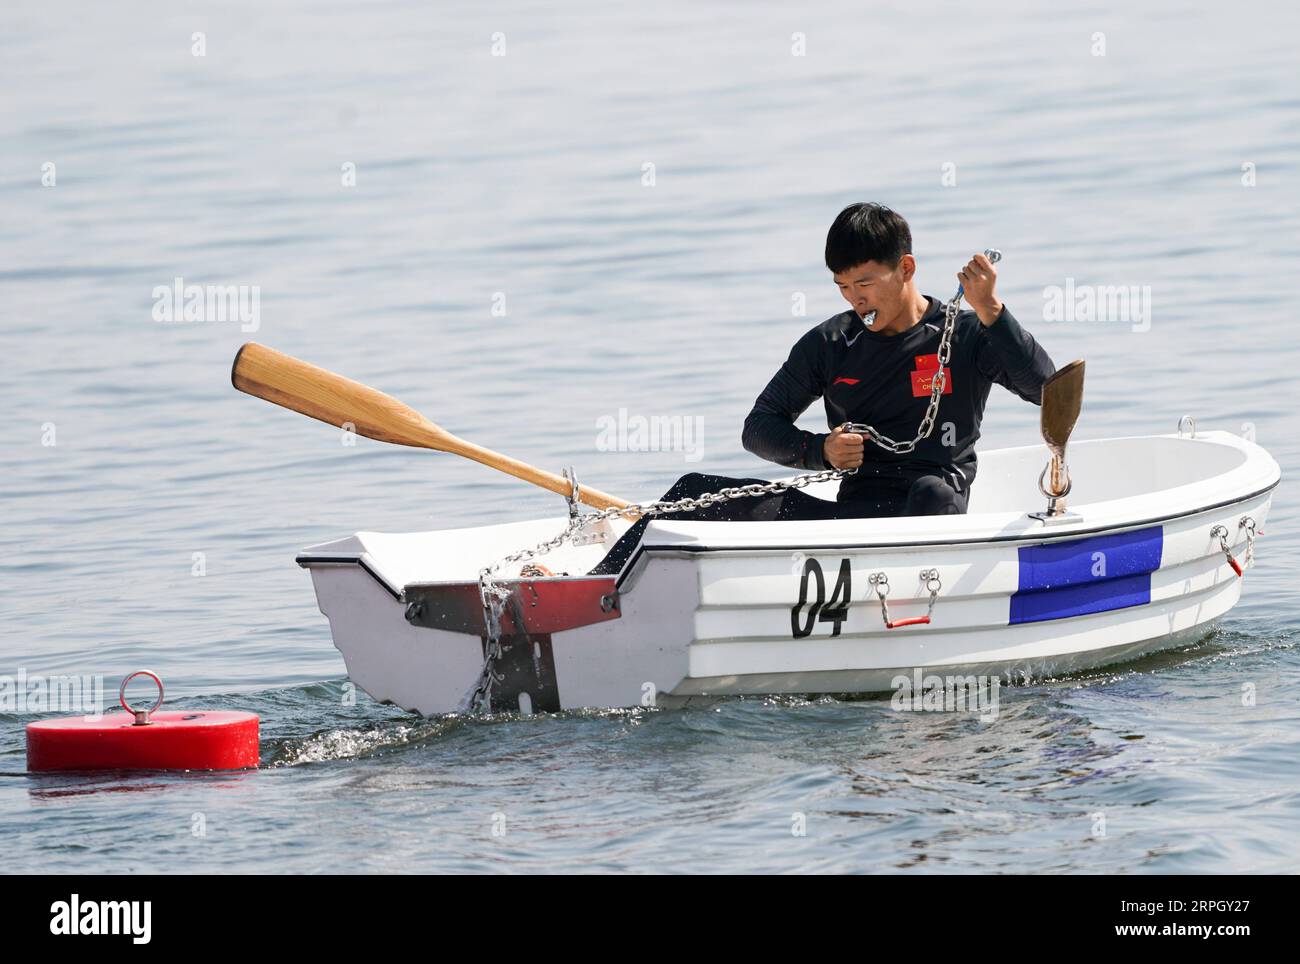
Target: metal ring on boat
x=141, y=716
x=932, y=583
x=1191, y=422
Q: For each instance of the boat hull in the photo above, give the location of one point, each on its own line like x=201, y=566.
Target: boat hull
x=763, y=609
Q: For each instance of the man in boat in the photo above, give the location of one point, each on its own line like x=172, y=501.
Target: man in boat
x=874, y=364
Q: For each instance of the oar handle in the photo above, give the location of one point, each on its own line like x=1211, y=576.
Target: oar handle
x=321, y=394
x=531, y=473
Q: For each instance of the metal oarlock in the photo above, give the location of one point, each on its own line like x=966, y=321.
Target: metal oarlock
x=932, y=583
x=572, y=497
x=575, y=522
x=1058, y=489
x=1055, y=488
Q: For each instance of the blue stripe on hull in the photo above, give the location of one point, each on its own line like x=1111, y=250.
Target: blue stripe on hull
x=1062, y=579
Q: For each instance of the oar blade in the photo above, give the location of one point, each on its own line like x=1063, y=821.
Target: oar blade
x=321, y=394
x=317, y=393
x=1062, y=402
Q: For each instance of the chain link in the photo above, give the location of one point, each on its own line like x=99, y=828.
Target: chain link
x=937, y=384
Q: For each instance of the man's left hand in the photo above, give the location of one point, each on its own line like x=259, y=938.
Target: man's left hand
x=977, y=280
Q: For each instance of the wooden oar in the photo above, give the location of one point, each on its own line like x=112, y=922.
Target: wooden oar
x=320, y=394
x=1062, y=402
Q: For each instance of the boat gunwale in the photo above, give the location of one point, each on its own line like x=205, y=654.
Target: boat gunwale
x=1047, y=534
x=1037, y=538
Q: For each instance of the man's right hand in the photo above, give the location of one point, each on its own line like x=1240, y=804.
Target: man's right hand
x=843, y=450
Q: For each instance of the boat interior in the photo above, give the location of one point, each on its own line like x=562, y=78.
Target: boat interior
x=1101, y=470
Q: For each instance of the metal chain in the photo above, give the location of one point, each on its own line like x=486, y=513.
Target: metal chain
x=936, y=391
x=495, y=596
x=937, y=383
x=494, y=592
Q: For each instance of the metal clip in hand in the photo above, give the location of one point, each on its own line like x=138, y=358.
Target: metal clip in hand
x=994, y=256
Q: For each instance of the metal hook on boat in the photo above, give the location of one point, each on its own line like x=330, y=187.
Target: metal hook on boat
x=930, y=577
x=1221, y=532
x=1248, y=523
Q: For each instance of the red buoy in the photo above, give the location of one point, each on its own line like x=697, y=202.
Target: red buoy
x=145, y=739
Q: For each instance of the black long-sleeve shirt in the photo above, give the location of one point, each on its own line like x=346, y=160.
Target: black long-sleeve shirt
x=884, y=380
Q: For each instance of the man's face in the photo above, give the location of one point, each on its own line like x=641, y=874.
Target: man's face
x=872, y=286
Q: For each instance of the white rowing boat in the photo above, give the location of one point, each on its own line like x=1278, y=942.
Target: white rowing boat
x=1147, y=558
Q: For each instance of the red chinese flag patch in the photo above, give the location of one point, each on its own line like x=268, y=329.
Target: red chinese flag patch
x=927, y=367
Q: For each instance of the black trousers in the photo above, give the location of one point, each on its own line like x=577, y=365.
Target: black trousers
x=884, y=497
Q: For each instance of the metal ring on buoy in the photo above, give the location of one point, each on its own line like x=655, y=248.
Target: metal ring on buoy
x=141, y=716
x=1191, y=422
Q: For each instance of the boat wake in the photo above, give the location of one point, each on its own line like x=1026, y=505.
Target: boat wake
x=353, y=744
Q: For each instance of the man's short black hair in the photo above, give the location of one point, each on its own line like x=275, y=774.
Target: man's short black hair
x=867, y=232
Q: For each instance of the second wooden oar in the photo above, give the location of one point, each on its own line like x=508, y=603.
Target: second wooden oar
x=1062, y=400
